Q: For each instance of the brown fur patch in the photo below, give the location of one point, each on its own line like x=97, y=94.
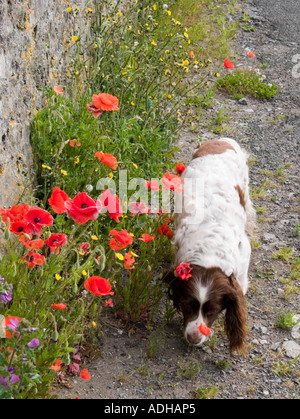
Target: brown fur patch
x=242, y=196
x=213, y=147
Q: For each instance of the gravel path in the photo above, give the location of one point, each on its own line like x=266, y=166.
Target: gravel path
x=269, y=130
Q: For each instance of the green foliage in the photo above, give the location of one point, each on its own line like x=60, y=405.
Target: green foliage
x=286, y=321
x=241, y=84
x=206, y=393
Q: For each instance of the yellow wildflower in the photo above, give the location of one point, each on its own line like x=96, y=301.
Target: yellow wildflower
x=120, y=256
x=64, y=172
x=95, y=238
x=57, y=277
x=84, y=273
x=154, y=43
x=75, y=38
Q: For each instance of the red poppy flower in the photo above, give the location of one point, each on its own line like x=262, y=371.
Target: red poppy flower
x=4, y=215
x=98, y=286
x=251, y=54
x=12, y=323
x=20, y=228
x=75, y=142
x=84, y=248
x=107, y=159
x=16, y=213
x=85, y=375
x=83, y=208
x=112, y=205
x=129, y=260
x=165, y=230
x=138, y=208
x=180, y=168
x=169, y=219
x=32, y=244
x=57, y=365
x=97, y=112
x=228, y=64
x=106, y=102
x=38, y=218
x=32, y=259
x=103, y=102
x=172, y=182
x=192, y=55
x=58, y=201
x=184, y=271
x=153, y=185
x=59, y=306
x=204, y=329
x=108, y=303
x=56, y=241
x=122, y=240
x=147, y=238
x=58, y=90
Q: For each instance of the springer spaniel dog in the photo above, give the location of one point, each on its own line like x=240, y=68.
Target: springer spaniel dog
x=212, y=223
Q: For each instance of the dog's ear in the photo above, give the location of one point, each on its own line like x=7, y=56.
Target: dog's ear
x=173, y=291
x=236, y=318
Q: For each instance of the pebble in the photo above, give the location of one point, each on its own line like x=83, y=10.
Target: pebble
x=276, y=346
x=243, y=101
x=291, y=348
x=268, y=237
x=264, y=330
x=296, y=329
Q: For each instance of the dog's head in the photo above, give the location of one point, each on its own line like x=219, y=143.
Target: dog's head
x=203, y=297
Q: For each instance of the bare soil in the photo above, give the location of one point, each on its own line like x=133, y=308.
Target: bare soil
x=156, y=362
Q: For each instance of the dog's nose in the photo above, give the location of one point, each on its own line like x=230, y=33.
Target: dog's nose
x=195, y=337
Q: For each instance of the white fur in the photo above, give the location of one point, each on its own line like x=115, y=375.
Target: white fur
x=216, y=236
x=192, y=327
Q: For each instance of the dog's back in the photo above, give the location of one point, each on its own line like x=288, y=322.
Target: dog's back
x=215, y=210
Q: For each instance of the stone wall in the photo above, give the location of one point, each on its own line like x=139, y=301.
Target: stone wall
x=35, y=49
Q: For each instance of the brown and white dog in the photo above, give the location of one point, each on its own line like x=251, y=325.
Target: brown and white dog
x=215, y=213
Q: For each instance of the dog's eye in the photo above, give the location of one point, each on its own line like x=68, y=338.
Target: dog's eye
x=210, y=310
x=190, y=306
